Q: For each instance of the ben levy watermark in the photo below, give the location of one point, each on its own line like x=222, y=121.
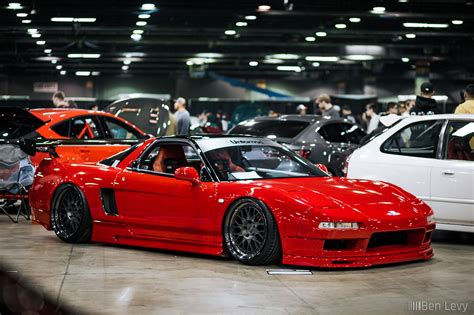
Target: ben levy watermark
x=445, y=306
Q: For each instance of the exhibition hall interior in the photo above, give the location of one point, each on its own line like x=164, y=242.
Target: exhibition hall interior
x=237, y=157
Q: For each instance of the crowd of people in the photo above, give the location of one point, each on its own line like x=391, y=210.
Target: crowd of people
x=423, y=104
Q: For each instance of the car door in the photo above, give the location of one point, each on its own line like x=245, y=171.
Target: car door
x=408, y=156
x=87, y=140
x=452, y=177
x=152, y=202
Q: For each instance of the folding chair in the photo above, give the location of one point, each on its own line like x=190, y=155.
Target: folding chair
x=16, y=174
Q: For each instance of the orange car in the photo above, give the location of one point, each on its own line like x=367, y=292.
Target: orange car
x=86, y=136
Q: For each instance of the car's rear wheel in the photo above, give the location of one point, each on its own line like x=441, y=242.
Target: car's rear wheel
x=251, y=233
x=70, y=216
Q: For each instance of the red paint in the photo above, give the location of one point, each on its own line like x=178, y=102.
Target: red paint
x=181, y=213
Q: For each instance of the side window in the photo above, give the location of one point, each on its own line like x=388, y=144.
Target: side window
x=118, y=130
x=85, y=128
x=166, y=158
x=333, y=133
x=418, y=139
x=62, y=128
x=353, y=133
x=460, y=145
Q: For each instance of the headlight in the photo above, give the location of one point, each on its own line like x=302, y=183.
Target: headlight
x=339, y=225
x=430, y=219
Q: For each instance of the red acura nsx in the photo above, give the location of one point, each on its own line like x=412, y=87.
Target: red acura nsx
x=246, y=197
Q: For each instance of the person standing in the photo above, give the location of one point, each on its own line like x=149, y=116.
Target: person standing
x=59, y=100
x=467, y=107
x=370, y=117
x=301, y=109
x=347, y=114
x=327, y=109
x=424, y=103
x=183, y=119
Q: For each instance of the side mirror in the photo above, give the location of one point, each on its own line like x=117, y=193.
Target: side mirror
x=322, y=167
x=135, y=163
x=189, y=174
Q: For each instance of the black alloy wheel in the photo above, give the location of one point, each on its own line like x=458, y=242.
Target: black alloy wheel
x=251, y=233
x=70, y=215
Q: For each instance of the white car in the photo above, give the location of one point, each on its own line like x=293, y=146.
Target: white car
x=431, y=157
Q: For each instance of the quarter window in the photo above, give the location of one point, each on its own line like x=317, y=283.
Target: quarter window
x=460, y=141
x=85, y=128
x=418, y=139
x=333, y=133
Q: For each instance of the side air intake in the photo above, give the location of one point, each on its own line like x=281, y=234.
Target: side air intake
x=108, y=201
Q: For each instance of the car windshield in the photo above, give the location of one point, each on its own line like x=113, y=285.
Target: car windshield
x=249, y=162
x=271, y=128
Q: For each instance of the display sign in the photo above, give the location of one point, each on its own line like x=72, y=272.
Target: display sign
x=45, y=87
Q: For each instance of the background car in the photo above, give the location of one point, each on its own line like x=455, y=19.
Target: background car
x=320, y=139
x=430, y=156
x=246, y=197
x=85, y=135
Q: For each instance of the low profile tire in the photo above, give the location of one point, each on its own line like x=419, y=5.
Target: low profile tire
x=251, y=233
x=70, y=216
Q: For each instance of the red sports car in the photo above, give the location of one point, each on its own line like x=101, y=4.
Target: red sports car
x=246, y=197
x=88, y=135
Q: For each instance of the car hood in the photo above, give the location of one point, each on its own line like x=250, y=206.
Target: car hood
x=17, y=122
x=341, y=197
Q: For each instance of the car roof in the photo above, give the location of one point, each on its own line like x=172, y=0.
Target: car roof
x=439, y=116
x=295, y=117
x=58, y=114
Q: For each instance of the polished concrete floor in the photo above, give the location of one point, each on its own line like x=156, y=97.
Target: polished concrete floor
x=97, y=278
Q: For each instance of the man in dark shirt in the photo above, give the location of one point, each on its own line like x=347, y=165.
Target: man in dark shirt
x=424, y=103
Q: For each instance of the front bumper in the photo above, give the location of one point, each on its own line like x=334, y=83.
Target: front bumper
x=349, y=250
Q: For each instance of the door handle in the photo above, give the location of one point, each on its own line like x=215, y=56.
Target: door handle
x=448, y=173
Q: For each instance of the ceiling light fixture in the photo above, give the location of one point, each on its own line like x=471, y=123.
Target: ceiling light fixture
x=310, y=38
x=457, y=22
x=315, y=64
x=148, y=6
x=41, y=42
x=127, y=62
x=141, y=23
x=230, y=32
x=322, y=58
x=136, y=37
x=273, y=61
x=62, y=72
x=209, y=55
x=72, y=19
x=241, y=24
x=354, y=20
x=138, y=32
x=83, y=73
x=22, y=15
x=95, y=73
x=426, y=25
x=411, y=36
x=144, y=16
x=124, y=68
x=36, y=35
x=264, y=8
x=321, y=34
x=32, y=30
x=59, y=67
x=253, y=63
x=289, y=68
x=340, y=25
x=250, y=17
x=86, y=56
x=47, y=51
x=405, y=59
x=54, y=61
x=360, y=57
x=378, y=10
x=26, y=21
x=283, y=56
x=14, y=6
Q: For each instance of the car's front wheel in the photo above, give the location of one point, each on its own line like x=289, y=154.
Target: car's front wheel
x=70, y=216
x=251, y=233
